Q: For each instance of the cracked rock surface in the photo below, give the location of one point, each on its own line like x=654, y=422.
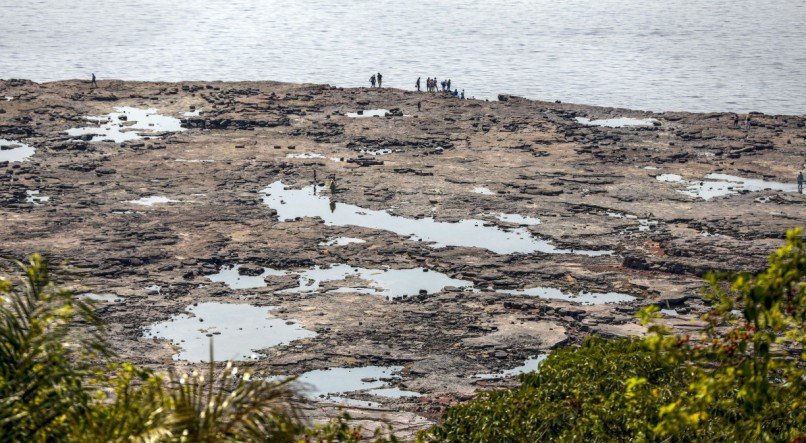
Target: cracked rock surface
x=593, y=188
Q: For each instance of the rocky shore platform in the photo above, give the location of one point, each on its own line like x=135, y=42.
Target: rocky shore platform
x=418, y=247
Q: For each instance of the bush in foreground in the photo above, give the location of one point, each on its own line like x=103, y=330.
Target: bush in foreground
x=740, y=379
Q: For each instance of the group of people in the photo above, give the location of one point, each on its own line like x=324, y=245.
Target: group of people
x=376, y=78
x=431, y=85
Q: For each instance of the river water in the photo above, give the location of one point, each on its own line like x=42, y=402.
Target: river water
x=697, y=55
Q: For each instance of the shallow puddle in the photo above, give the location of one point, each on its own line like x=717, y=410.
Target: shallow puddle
x=11, y=151
x=720, y=185
x=33, y=197
x=585, y=298
x=644, y=224
x=518, y=219
x=195, y=113
x=152, y=200
x=293, y=203
x=368, y=113
x=305, y=156
x=102, y=298
x=531, y=364
x=376, y=151
x=336, y=384
x=482, y=190
x=392, y=283
x=232, y=278
x=617, y=122
x=341, y=241
x=237, y=330
x=128, y=124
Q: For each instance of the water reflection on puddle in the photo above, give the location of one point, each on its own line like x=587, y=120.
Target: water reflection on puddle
x=518, y=219
x=305, y=156
x=376, y=151
x=152, y=200
x=11, y=151
x=341, y=241
x=238, y=331
x=617, y=122
x=482, y=190
x=102, y=298
x=531, y=364
x=336, y=383
x=585, y=298
x=128, y=124
x=644, y=224
x=720, y=185
x=368, y=113
x=33, y=197
x=392, y=283
x=232, y=278
x=293, y=203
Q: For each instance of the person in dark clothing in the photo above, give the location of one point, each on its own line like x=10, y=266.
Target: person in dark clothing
x=463, y=95
x=94, y=83
x=380, y=80
x=449, y=85
x=417, y=84
x=372, y=80
x=800, y=182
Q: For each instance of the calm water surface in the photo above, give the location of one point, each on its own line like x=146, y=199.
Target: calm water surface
x=698, y=55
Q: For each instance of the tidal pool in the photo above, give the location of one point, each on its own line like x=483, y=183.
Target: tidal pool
x=293, y=203
x=584, y=298
x=617, y=122
x=376, y=152
x=12, y=151
x=127, y=124
x=341, y=241
x=103, y=298
x=392, y=283
x=531, y=364
x=230, y=276
x=368, y=113
x=518, y=219
x=152, y=200
x=482, y=190
x=33, y=197
x=237, y=330
x=720, y=185
x=305, y=155
x=644, y=224
x=335, y=384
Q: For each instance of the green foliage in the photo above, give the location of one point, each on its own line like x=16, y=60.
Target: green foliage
x=749, y=360
x=61, y=384
x=599, y=391
x=740, y=379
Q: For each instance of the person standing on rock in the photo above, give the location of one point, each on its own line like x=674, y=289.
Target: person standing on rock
x=463, y=94
x=735, y=121
x=417, y=84
x=94, y=83
x=800, y=182
x=449, y=85
x=372, y=80
x=380, y=80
